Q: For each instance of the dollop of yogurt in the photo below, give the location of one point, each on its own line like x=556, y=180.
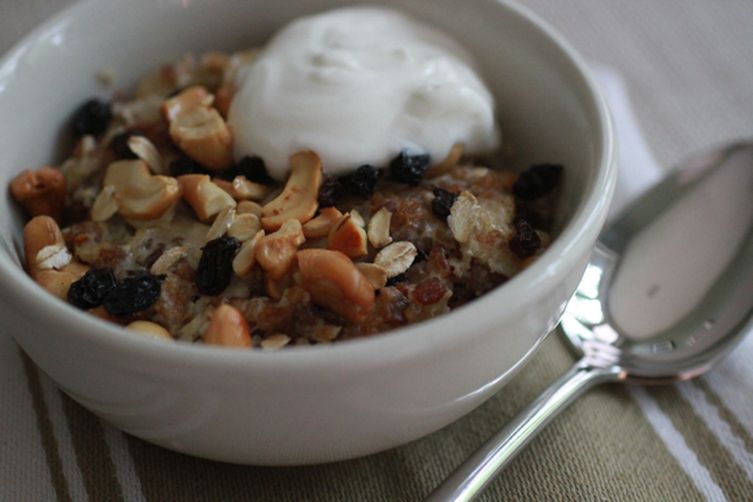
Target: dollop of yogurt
x=357, y=85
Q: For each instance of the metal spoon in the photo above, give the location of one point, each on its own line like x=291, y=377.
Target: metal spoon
x=667, y=293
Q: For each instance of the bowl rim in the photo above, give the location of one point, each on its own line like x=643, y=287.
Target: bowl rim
x=402, y=343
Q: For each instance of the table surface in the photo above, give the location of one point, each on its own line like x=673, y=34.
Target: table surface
x=688, y=65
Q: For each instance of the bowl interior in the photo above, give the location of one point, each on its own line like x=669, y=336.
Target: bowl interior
x=545, y=105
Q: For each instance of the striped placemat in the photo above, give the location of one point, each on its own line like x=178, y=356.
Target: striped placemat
x=689, y=67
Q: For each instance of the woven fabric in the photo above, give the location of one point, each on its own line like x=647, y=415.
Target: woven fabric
x=688, y=68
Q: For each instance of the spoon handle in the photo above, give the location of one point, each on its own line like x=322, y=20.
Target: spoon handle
x=475, y=474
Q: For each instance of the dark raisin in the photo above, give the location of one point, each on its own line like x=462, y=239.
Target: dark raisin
x=526, y=241
x=396, y=280
x=133, y=294
x=90, y=291
x=442, y=203
x=92, y=117
x=362, y=182
x=409, y=168
x=259, y=332
x=216, y=265
x=119, y=144
x=186, y=165
x=537, y=181
x=330, y=191
x=254, y=169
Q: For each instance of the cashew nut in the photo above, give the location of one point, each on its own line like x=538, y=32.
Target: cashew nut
x=40, y=192
x=205, y=197
x=204, y=136
x=348, y=237
x=299, y=198
x=276, y=252
x=242, y=189
x=193, y=97
x=140, y=195
x=322, y=224
x=47, y=259
x=334, y=282
x=227, y=328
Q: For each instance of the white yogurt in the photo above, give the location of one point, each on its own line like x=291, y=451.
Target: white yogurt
x=357, y=85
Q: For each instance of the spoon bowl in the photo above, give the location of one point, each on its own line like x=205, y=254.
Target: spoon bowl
x=667, y=293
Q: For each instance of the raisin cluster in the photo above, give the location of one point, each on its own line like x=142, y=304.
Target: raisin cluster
x=361, y=184
x=100, y=287
x=409, y=168
x=133, y=294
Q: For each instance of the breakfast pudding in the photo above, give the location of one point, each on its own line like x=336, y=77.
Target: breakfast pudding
x=341, y=181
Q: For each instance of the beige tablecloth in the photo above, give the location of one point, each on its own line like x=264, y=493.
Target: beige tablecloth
x=688, y=65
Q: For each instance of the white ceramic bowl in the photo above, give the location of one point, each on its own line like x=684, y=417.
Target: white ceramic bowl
x=309, y=404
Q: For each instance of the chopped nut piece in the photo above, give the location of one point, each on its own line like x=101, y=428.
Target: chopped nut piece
x=244, y=261
x=247, y=206
x=275, y=342
x=379, y=228
x=452, y=159
x=105, y=205
x=193, y=97
x=168, y=259
x=376, y=275
x=322, y=224
x=299, y=198
x=245, y=189
x=334, y=282
x=348, y=237
x=242, y=189
x=150, y=329
x=221, y=224
x=146, y=151
x=228, y=328
x=357, y=218
x=205, y=197
x=396, y=258
x=141, y=195
x=204, y=136
x=244, y=226
x=276, y=252
x=40, y=192
x=326, y=333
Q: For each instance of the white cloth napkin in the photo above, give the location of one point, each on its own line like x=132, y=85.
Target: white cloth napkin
x=732, y=379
